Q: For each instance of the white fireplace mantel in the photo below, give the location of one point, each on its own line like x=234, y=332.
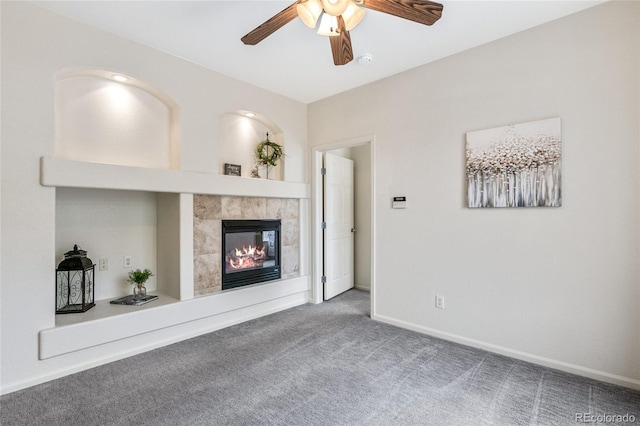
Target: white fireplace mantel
x=78, y=174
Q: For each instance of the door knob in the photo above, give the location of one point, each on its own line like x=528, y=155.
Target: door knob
x=353, y=229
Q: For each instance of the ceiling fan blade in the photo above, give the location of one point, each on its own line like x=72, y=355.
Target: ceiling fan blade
x=421, y=11
x=271, y=25
x=341, y=45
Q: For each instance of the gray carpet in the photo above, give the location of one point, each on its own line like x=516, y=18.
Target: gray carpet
x=326, y=364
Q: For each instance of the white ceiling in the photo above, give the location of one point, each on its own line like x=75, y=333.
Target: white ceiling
x=295, y=61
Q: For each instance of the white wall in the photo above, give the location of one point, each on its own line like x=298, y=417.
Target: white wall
x=103, y=121
x=239, y=136
x=36, y=47
x=557, y=286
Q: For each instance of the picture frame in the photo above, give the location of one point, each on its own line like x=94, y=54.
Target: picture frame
x=232, y=169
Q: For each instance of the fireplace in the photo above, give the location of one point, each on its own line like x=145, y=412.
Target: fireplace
x=250, y=252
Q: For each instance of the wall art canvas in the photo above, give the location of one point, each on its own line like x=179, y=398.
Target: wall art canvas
x=515, y=166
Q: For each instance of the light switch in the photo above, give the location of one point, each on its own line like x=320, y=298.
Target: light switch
x=399, y=203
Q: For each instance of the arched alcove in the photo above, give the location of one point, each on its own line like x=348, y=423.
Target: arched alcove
x=240, y=132
x=106, y=117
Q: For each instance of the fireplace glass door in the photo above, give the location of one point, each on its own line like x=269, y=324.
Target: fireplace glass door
x=251, y=252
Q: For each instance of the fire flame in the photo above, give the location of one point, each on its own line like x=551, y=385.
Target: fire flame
x=244, y=258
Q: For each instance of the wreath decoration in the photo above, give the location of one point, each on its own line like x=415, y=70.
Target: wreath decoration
x=268, y=153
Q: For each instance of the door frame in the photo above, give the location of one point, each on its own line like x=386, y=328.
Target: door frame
x=316, y=213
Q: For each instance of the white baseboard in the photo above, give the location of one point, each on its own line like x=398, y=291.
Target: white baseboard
x=535, y=359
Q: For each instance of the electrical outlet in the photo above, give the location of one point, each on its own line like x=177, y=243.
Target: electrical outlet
x=127, y=262
x=439, y=301
x=103, y=264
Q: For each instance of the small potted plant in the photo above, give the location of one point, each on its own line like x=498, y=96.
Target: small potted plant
x=138, y=278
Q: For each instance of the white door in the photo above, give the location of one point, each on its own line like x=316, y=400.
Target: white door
x=338, y=217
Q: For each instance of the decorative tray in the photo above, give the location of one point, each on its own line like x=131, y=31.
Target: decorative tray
x=130, y=300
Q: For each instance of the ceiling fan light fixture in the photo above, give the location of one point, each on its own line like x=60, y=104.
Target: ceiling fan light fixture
x=338, y=17
x=335, y=7
x=309, y=11
x=328, y=25
x=352, y=16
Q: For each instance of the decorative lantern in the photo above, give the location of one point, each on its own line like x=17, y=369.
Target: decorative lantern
x=74, y=283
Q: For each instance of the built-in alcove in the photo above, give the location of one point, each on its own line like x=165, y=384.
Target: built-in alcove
x=112, y=224
x=109, y=225
x=115, y=119
x=239, y=134
x=102, y=120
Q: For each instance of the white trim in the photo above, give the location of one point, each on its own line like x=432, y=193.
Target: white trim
x=523, y=356
x=316, y=232
x=372, y=283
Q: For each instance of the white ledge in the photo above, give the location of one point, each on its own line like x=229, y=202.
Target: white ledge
x=222, y=309
x=78, y=174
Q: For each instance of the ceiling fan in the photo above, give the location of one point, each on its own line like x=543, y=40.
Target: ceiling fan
x=338, y=17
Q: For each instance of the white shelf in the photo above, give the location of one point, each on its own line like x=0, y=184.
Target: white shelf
x=107, y=323
x=78, y=174
x=104, y=309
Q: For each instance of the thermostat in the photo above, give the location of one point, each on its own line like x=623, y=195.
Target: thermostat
x=399, y=203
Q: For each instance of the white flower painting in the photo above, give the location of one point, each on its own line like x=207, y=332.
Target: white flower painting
x=515, y=166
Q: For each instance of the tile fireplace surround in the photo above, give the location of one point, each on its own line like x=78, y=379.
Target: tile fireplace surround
x=208, y=212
